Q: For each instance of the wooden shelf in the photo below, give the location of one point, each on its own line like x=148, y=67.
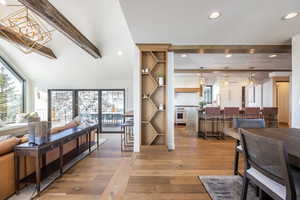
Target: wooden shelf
x=187, y=90
x=153, y=119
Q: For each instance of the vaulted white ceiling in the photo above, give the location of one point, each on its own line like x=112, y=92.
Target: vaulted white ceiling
x=186, y=21
x=103, y=23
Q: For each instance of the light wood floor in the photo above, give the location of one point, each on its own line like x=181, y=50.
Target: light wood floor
x=109, y=174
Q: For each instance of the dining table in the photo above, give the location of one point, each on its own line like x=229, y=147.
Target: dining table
x=289, y=136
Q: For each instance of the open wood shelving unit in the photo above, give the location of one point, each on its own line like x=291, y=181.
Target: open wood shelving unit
x=153, y=124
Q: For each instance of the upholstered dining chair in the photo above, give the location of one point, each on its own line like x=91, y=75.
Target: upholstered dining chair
x=244, y=123
x=267, y=167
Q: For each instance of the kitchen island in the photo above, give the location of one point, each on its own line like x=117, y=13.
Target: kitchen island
x=187, y=115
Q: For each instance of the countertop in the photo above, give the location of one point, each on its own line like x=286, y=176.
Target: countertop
x=193, y=106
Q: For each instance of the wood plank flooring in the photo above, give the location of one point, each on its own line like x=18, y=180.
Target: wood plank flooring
x=109, y=174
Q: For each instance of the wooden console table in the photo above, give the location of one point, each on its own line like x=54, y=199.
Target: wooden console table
x=56, y=141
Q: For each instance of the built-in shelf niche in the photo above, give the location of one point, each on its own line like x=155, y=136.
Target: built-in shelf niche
x=153, y=95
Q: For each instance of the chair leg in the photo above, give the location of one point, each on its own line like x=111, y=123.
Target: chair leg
x=245, y=188
x=236, y=160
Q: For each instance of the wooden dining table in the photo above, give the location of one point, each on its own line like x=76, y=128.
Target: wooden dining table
x=290, y=137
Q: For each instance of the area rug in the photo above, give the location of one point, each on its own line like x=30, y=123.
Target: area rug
x=226, y=187
x=29, y=191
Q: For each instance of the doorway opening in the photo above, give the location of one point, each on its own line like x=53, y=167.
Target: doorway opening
x=283, y=102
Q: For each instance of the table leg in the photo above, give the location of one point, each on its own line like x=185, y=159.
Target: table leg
x=44, y=165
x=38, y=172
x=98, y=138
x=17, y=174
x=89, y=137
x=61, y=160
x=77, y=145
x=236, y=159
x=121, y=141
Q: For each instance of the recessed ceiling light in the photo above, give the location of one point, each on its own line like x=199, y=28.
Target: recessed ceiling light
x=120, y=53
x=290, y=15
x=214, y=15
x=252, y=51
x=3, y=2
x=272, y=56
x=228, y=55
x=183, y=55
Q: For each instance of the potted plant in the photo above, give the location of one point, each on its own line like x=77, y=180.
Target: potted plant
x=202, y=103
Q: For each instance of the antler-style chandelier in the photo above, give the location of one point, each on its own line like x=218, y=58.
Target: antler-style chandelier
x=28, y=28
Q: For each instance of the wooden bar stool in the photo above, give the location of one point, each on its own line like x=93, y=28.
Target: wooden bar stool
x=229, y=114
x=252, y=113
x=270, y=115
x=211, y=122
x=127, y=136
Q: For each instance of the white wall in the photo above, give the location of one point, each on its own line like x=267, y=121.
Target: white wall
x=230, y=95
x=267, y=87
x=136, y=84
x=186, y=81
x=187, y=98
x=170, y=102
x=254, y=100
x=295, y=82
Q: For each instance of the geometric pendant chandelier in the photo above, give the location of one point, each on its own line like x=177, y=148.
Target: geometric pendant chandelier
x=27, y=26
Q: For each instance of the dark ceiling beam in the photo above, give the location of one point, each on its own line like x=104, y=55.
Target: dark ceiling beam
x=229, y=70
x=233, y=49
x=18, y=39
x=45, y=10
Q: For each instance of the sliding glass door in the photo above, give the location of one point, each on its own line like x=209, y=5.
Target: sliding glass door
x=60, y=109
x=88, y=106
x=105, y=107
x=113, y=108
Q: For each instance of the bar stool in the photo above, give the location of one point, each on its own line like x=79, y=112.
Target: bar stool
x=270, y=114
x=229, y=114
x=210, y=123
x=127, y=136
x=252, y=113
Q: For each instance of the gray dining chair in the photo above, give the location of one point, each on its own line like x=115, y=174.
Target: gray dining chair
x=244, y=123
x=267, y=167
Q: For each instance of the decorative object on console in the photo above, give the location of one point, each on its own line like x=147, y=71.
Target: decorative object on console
x=39, y=132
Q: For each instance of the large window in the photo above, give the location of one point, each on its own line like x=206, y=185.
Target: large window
x=11, y=92
x=105, y=107
x=208, y=94
x=61, y=107
x=88, y=108
x=112, y=110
